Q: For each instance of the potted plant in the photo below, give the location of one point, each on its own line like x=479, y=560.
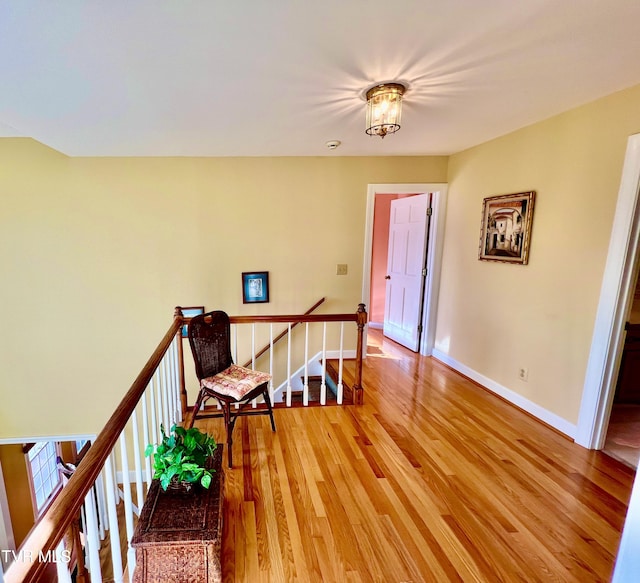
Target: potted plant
x=181, y=457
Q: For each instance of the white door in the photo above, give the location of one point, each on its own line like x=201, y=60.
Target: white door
x=405, y=264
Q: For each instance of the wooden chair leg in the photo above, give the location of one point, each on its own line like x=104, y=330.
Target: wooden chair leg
x=228, y=425
x=196, y=408
x=267, y=400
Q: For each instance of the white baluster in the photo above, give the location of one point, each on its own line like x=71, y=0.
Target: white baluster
x=103, y=522
x=154, y=419
x=176, y=364
x=235, y=343
x=137, y=464
x=271, y=388
x=83, y=528
x=289, y=366
x=161, y=420
x=254, y=403
x=114, y=531
x=253, y=346
x=234, y=356
x=172, y=385
x=165, y=396
x=116, y=491
x=305, y=388
x=323, y=383
x=126, y=491
x=92, y=541
x=173, y=358
x=145, y=436
x=62, y=565
x=339, y=387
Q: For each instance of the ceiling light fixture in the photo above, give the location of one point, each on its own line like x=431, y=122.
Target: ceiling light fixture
x=384, y=108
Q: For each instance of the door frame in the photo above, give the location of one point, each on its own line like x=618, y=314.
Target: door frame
x=434, y=253
x=615, y=299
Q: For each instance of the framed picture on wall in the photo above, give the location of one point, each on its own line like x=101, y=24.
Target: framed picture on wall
x=505, y=231
x=190, y=312
x=255, y=287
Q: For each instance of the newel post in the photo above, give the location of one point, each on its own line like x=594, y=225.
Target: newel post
x=177, y=314
x=358, y=391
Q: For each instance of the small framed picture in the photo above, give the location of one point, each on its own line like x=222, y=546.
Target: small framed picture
x=255, y=287
x=505, y=232
x=190, y=312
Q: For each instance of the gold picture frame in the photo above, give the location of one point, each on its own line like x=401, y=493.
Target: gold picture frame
x=505, y=232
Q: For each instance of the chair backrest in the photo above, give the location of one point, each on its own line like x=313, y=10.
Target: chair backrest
x=210, y=341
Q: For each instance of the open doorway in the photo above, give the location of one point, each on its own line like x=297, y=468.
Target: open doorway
x=379, y=196
x=623, y=432
x=615, y=308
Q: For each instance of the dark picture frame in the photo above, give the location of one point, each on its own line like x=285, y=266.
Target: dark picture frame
x=190, y=312
x=505, y=231
x=255, y=287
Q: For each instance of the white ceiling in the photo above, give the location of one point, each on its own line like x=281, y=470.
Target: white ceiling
x=281, y=77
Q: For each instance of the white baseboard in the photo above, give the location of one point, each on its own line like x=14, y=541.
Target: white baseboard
x=512, y=397
x=376, y=325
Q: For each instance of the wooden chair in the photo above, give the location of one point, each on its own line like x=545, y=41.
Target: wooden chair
x=230, y=384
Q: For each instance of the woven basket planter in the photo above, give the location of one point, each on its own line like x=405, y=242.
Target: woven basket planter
x=179, y=533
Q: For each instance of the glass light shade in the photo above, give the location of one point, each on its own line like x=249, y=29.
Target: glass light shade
x=384, y=109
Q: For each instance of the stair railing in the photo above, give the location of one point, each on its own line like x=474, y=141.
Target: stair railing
x=153, y=398
x=157, y=396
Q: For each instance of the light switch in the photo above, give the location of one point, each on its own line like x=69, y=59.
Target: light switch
x=341, y=269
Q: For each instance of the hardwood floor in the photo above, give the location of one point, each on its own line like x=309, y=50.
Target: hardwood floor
x=623, y=434
x=432, y=479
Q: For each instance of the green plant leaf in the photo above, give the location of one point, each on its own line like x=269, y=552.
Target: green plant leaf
x=182, y=455
x=190, y=442
x=164, y=482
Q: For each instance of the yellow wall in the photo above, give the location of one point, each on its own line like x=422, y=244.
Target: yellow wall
x=96, y=252
x=495, y=318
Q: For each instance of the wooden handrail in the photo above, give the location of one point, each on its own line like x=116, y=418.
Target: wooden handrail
x=282, y=334
x=50, y=530
x=294, y=318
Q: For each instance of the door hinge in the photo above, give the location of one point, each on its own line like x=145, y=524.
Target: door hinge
x=429, y=211
x=424, y=272
x=419, y=328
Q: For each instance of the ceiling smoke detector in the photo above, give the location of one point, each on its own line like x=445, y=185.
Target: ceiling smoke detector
x=333, y=144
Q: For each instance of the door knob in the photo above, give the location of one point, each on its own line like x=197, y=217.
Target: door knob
x=387, y=277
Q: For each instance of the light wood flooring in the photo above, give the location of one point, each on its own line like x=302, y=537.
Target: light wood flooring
x=623, y=434
x=432, y=479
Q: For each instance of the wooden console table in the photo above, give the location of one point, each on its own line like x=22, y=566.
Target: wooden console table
x=178, y=535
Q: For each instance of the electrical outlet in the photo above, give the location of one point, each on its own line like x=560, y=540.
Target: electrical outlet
x=523, y=374
x=341, y=269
